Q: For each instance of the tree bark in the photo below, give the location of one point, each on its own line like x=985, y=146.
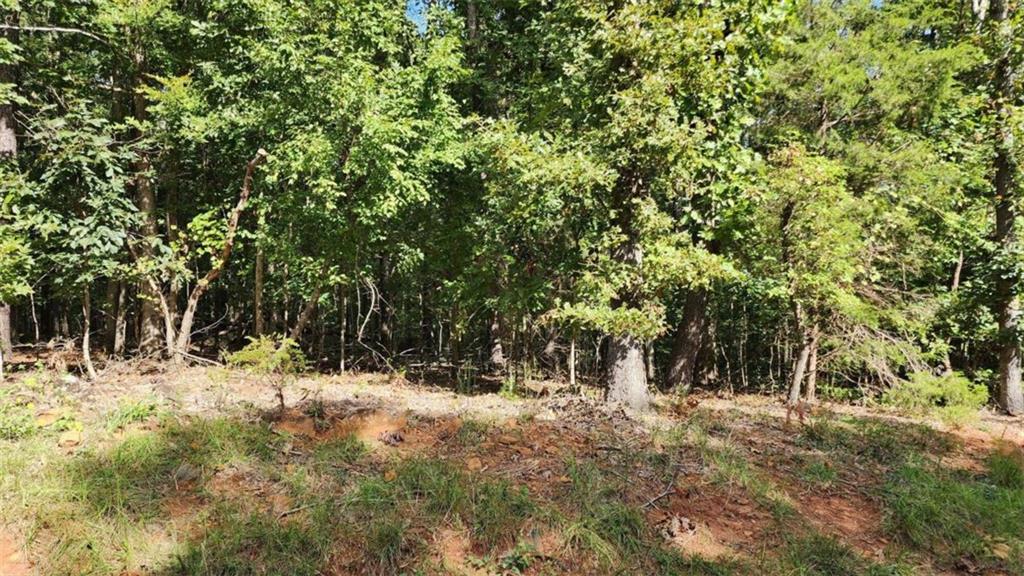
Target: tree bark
x=8, y=154
x=811, y=393
x=86, y=327
x=802, y=358
x=145, y=200
x=687, y=344
x=343, y=322
x=307, y=313
x=1011, y=395
x=497, y=356
x=257, y=294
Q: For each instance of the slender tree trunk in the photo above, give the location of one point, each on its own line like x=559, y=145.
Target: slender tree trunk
x=181, y=345
x=947, y=361
x=497, y=356
x=687, y=344
x=86, y=328
x=572, y=362
x=121, y=321
x=1011, y=395
x=307, y=313
x=257, y=293
x=812, y=366
x=343, y=322
x=802, y=358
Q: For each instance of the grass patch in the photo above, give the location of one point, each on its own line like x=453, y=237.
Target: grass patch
x=820, y=555
x=882, y=442
x=243, y=544
x=819, y=473
x=131, y=412
x=954, y=517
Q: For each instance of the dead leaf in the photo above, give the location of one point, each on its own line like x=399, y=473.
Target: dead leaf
x=69, y=438
x=390, y=475
x=44, y=419
x=474, y=464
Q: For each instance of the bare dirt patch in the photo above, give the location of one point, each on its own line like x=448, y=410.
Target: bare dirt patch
x=13, y=561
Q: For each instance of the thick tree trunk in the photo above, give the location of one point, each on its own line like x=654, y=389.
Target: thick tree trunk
x=8, y=154
x=799, y=368
x=6, y=345
x=687, y=344
x=626, y=373
x=1011, y=395
x=145, y=200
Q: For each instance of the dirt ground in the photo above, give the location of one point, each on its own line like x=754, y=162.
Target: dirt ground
x=529, y=441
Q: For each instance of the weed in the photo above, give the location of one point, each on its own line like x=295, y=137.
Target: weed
x=131, y=412
x=472, y=432
x=437, y=485
x=17, y=420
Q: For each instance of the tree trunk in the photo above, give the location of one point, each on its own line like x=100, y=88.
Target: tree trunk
x=812, y=367
x=181, y=345
x=627, y=376
x=687, y=343
x=307, y=313
x=145, y=200
x=497, y=356
x=343, y=322
x=121, y=321
x=8, y=154
x=257, y=294
x=1011, y=396
x=86, y=327
x=572, y=362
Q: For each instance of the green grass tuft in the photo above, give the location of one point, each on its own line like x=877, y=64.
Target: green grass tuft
x=952, y=516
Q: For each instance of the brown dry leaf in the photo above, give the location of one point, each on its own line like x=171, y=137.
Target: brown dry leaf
x=390, y=475
x=69, y=438
x=474, y=464
x=44, y=419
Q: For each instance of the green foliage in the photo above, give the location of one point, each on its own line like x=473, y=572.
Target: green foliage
x=270, y=357
x=952, y=397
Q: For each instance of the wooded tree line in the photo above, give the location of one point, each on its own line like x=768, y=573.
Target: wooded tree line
x=659, y=193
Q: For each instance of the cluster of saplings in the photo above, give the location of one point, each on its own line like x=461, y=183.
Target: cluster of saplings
x=803, y=197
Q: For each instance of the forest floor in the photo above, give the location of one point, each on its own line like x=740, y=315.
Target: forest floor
x=157, y=470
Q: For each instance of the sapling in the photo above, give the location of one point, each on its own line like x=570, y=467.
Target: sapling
x=274, y=361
